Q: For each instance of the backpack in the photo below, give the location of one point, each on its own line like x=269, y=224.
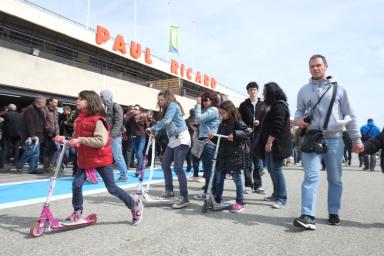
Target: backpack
x=366, y=137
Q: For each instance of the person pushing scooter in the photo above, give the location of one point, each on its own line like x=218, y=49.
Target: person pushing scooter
x=93, y=151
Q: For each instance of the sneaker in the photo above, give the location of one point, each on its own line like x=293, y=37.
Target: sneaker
x=74, y=218
x=260, y=191
x=237, y=208
x=137, y=173
x=202, y=196
x=306, y=222
x=270, y=199
x=247, y=190
x=167, y=194
x=182, y=202
x=229, y=176
x=334, y=219
x=137, y=212
x=121, y=179
x=278, y=205
x=195, y=179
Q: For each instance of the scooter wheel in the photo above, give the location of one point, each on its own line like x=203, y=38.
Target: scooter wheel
x=36, y=231
x=92, y=219
x=204, y=208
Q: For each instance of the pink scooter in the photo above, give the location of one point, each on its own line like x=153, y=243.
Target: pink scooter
x=47, y=220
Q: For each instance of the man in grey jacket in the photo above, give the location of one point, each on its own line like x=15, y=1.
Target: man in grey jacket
x=115, y=121
x=306, y=99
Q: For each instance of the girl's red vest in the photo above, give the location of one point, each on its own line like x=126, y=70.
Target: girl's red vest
x=88, y=157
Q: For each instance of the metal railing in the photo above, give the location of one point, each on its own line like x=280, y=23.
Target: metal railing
x=29, y=44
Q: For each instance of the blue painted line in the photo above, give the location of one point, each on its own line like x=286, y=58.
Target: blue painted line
x=35, y=191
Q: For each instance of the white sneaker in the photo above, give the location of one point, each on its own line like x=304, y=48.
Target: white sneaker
x=202, y=196
x=196, y=179
x=277, y=205
x=260, y=191
x=247, y=190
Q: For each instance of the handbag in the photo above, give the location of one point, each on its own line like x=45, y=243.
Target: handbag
x=197, y=145
x=313, y=139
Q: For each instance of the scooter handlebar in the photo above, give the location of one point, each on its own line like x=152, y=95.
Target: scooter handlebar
x=62, y=140
x=220, y=136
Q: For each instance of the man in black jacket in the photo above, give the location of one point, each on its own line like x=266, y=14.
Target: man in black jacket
x=252, y=113
x=13, y=124
x=34, y=124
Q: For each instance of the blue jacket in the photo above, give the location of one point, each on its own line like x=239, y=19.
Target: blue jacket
x=172, y=121
x=209, y=120
x=370, y=129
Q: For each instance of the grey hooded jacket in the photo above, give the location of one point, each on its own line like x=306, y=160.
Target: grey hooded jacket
x=307, y=98
x=114, y=114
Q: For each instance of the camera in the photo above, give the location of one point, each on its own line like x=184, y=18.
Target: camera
x=308, y=119
x=320, y=148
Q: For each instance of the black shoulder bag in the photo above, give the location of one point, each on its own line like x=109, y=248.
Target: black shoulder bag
x=313, y=139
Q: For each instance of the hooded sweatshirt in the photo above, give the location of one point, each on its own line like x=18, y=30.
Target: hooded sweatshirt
x=115, y=114
x=307, y=98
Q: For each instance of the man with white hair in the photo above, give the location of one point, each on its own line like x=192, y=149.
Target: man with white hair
x=115, y=121
x=13, y=123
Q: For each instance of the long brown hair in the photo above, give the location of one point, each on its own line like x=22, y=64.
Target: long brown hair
x=230, y=108
x=169, y=97
x=95, y=106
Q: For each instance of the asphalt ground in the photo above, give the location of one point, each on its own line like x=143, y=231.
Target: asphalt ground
x=259, y=230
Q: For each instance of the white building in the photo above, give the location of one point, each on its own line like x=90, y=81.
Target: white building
x=45, y=53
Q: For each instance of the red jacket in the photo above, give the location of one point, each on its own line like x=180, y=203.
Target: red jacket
x=88, y=157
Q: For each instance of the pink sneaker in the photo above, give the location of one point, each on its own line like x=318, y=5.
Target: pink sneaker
x=137, y=213
x=73, y=219
x=237, y=208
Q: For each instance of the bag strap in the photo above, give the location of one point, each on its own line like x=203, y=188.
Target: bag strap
x=318, y=101
x=325, y=126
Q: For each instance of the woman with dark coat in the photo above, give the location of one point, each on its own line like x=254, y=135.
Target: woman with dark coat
x=275, y=140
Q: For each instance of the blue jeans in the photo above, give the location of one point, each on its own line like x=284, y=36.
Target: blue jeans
x=118, y=155
x=207, y=158
x=176, y=155
x=312, y=165
x=275, y=169
x=220, y=176
x=106, y=174
x=32, y=154
x=138, y=145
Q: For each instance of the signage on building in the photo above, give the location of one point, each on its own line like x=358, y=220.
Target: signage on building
x=135, y=51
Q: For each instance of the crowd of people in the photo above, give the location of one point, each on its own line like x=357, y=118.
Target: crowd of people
x=260, y=134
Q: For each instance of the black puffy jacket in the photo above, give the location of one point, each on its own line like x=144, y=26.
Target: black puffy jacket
x=231, y=153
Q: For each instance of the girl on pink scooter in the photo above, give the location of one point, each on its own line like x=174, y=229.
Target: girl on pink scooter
x=93, y=151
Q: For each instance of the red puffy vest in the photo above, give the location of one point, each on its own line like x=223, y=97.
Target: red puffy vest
x=88, y=157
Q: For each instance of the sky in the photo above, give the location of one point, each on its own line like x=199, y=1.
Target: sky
x=238, y=41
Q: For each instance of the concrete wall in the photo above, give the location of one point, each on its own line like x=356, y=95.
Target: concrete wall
x=29, y=72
